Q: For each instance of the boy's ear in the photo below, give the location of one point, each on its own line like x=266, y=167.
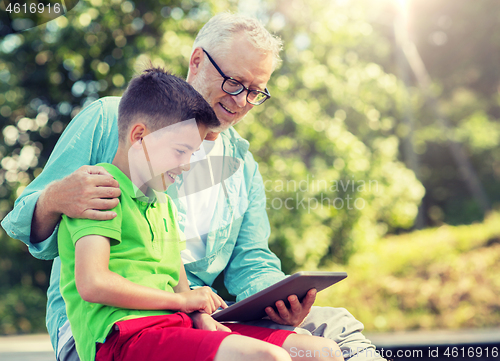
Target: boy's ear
x=137, y=132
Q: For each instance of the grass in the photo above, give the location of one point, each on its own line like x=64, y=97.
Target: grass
x=440, y=278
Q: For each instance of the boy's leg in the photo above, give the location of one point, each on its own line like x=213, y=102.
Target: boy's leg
x=336, y=324
x=171, y=337
x=243, y=348
x=298, y=347
x=160, y=338
x=312, y=348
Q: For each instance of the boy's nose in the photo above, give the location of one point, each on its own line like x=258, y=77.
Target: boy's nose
x=185, y=167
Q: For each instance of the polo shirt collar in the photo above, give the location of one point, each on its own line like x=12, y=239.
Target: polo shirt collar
x=130, y=189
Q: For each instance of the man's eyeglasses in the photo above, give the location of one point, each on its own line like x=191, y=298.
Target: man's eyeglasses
x=234, y=87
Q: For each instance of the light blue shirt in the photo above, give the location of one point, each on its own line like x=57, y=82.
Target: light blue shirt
x=237, y=244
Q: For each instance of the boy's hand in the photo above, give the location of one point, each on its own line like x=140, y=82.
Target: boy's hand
x=204, y=321
x=201, y=299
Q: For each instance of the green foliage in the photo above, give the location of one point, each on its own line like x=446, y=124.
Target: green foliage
x=22, y=310
x=440, y=278
x=325, y=140
x=23, y=283
x=332, y=142
x=49, y=73
x=466, y=85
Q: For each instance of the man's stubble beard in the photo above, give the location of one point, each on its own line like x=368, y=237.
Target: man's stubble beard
x=199, y=83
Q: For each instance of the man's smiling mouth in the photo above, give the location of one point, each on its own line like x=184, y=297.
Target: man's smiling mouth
x=226, y=109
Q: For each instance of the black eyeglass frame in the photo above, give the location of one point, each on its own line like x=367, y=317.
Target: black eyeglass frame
x=226, y=78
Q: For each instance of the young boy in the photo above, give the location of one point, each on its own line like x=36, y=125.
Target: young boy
x=122, y=279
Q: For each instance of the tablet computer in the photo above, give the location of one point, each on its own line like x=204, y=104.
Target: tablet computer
x=253, y=307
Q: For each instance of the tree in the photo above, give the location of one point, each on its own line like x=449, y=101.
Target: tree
x=328, y=134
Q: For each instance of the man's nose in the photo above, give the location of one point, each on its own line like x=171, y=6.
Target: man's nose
x=241, y=99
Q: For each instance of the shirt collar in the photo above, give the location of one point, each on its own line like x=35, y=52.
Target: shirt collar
x=130, y=189
x=236, y=141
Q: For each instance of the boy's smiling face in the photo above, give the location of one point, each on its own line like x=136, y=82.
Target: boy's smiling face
x=157, y=158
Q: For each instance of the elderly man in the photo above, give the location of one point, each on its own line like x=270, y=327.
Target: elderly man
x=226, y=223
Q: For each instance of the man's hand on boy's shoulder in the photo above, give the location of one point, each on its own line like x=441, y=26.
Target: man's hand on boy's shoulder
x=88, y=193
x=203, y=321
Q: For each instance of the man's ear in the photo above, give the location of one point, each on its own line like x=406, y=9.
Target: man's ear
x=136, y=133
x=195, y=60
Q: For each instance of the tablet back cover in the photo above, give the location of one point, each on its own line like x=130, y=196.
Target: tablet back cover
x=252, y=308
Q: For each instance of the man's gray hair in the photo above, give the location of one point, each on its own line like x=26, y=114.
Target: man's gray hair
x=216, y=35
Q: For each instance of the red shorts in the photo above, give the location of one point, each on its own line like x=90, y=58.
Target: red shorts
x=172, y=337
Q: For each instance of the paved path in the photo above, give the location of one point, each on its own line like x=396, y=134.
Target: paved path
x=38, y=347
x=26, y=348
x=433, y=338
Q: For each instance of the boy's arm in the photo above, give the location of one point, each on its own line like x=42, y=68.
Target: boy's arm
x=97, y=284
x=183, y=284
x=201, y=320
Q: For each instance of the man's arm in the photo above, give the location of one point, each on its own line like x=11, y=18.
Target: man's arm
x=90, y=138
x=253, y=266
x=97, y=284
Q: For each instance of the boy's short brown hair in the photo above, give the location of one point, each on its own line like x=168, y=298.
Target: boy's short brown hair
x=162, y=99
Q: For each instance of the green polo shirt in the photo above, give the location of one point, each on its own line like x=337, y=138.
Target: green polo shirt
x=145, y=249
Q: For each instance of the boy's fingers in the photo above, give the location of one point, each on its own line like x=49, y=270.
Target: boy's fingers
x=223, y=303
x=98, y=215
x=210, y=327
x=209, y=301
x=221, y=327
x=220, y=302
x=216, y=299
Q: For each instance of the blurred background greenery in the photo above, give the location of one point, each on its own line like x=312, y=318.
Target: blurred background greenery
x=379, y=149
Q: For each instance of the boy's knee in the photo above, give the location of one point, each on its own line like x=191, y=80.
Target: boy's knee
x=276, y=353
x=269, y=352
x=237, y=347
x=320, y=348
x=333, y=348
